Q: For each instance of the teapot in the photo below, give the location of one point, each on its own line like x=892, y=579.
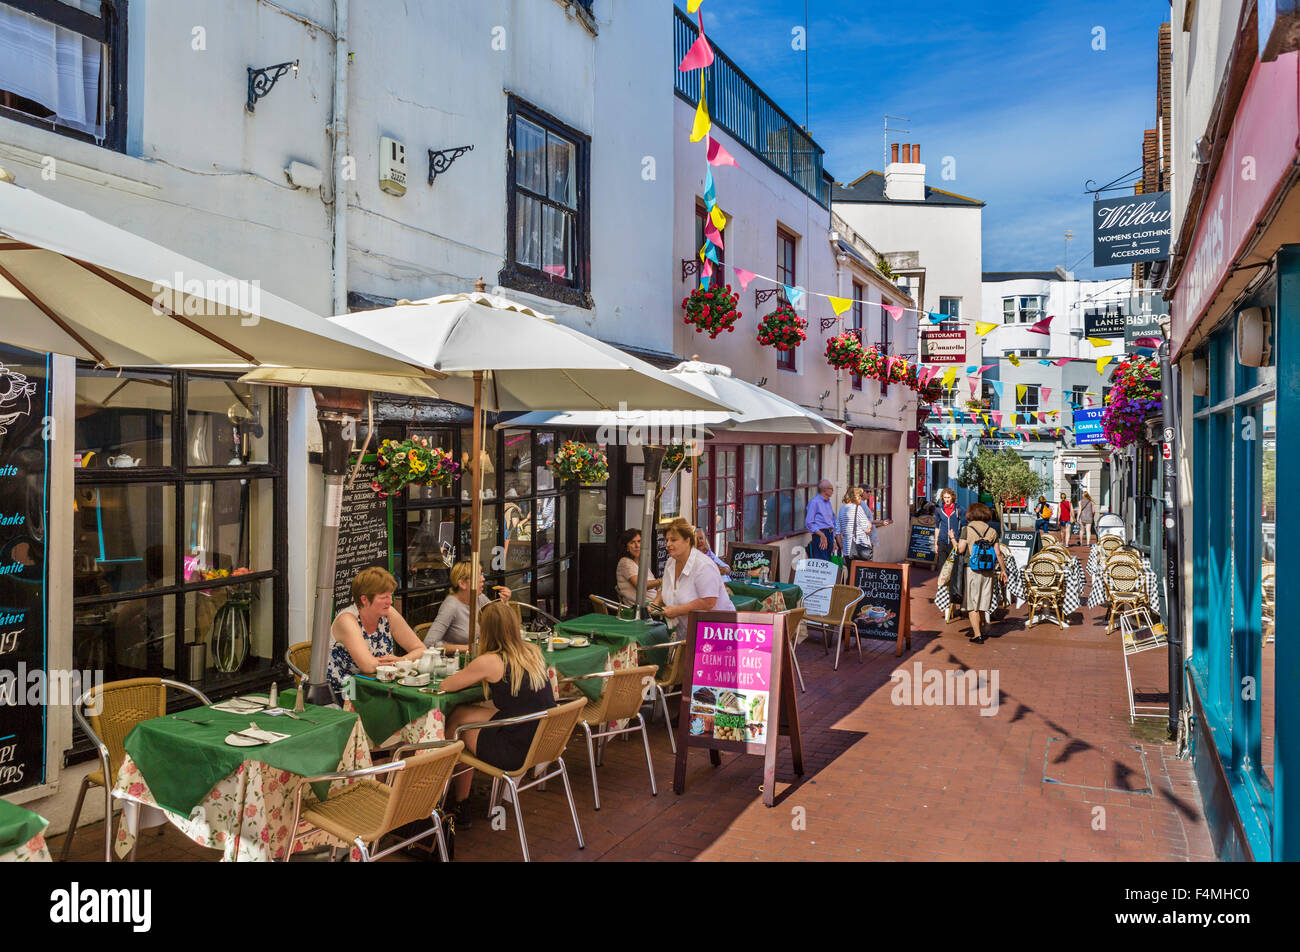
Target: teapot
x=123, y=461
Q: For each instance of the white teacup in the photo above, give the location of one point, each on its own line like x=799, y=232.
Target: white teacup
x=386, y=672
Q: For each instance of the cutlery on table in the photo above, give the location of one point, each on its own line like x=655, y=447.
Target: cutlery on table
x=188, y=721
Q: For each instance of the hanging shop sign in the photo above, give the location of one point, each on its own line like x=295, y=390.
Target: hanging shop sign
x=1131, y=228
x=1104, y=321
x=24, y=573
x=1087, y=426
x=943, y=347
x=738, y=692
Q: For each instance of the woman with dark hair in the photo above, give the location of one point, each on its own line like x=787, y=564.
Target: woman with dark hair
x=979, y=541
x=629, y=545
x=950, y=522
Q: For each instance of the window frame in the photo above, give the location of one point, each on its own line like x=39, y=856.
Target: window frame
x=1028, y=406
x=747, y=502
x=719, y=276
x=946, y=305
x=109, y=30
x=523, y=277
x=859, y=295
x=787, y=246
x=867, y=471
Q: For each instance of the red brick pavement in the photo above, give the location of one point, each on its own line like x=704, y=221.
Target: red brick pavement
x=892, y=782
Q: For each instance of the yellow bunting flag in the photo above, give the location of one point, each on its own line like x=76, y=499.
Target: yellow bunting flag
x=1015, y=361
x=693, y=5
x=719, y=219
x=982, y=328
x=702, y=123
x=949, y=376
x=1021, y=390
x=1099, y=342
x=839, y=305
x=1101, y=364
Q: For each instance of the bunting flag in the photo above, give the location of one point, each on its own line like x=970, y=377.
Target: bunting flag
x=1042, y=417
x=936, y=318
x=971, y=369
x=1062, y=362
x=1021, y=390
x=1043, y=326
x=974, y=417
x=744, y=277
x=982, y=328
x=702, y=124
x=1047, y=393
x=698, y=56
x=709, y=252
x=1089, y=399
x=717, y=155
x=711, y=232
x=706, y=275
x=1015, y=361
x=792, y=294
x=1046, y=363
x=997, y=387
x=1101, y=364
x=997, y=418
x=949, y=376
x=839, y=305
x=1099, y=342
x=894, y=311
x=693, y=5
x=986, y=367
x=973, y=384
x=710, y=193
x=718, y=218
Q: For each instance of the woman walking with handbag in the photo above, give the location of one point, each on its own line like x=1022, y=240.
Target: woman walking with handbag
x=979, y=542
x=1086, y=514
x=950, y=521
x=853, y=528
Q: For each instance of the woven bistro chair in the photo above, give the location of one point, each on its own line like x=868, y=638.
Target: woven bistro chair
x=620, y=699
x=1109, y=543
x=1045, y=587
x=668, y=682
x=118, y=707
x=298, y=658
x=421, y=630
x=554, y=728
x=793, y=625
x=366, y=811
x=1123, y=580
x=844, y=598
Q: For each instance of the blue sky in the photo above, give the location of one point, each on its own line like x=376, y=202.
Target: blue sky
x=1013, y=91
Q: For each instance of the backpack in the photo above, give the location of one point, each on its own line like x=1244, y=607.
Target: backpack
x=983, y=556
x=1044, y=511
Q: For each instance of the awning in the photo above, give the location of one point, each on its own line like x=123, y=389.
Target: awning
x=875, y=442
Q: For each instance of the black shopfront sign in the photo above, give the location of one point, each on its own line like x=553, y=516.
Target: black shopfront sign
x=1104, y=321
x=1131, y=228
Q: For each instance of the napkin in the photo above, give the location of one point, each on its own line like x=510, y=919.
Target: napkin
x=267, y=737
x=237, y=705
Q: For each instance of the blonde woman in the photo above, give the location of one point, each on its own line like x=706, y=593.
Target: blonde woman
x=451, y=628
x=853, y=527
x=1087, y=512
x=513, y=674
x=368, y=632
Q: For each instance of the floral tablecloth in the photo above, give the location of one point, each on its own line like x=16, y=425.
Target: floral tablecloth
x=247, y=814
x=33, y=851
x=22, y=835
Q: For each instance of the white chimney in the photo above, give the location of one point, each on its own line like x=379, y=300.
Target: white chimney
x=905, y=175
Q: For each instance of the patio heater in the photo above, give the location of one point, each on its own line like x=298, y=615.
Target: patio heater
x=338, y=411
x=654, y=461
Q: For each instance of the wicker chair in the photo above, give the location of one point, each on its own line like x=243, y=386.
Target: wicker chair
x=1123, y=581
x=365, y=812
x=554, y=728
x=620, y=699
x=119, y=706
x=298, y=658
x=794, y=619
x=1045, y=586
x=422, y=630
x=668, y=682
x=1109, y=543
x=844, y=598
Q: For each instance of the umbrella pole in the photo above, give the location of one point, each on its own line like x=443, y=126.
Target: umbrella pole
x=476, y=512
x=654, y=460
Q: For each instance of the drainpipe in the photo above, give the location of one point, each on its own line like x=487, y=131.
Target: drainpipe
x=1173, y=516
x=339, y=260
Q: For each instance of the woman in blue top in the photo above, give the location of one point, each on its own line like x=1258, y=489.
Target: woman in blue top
x=950, y=521
x=368, y=632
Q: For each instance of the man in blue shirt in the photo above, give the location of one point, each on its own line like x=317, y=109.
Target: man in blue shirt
x=820, y=521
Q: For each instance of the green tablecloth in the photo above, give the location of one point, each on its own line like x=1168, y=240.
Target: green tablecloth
x=575, y=662
x=745, y=604
x=385, y=708
x=618, y=633
x=18, y=826
x=791, y=593
x=181, y=762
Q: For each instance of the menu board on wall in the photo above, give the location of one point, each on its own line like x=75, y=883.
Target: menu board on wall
x=883, y=611
x=24, y=514
x=752, y=562
x=363, y=532
x=738, y=691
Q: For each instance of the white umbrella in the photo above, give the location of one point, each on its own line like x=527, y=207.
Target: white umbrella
x=502, y=355
x=73, y=284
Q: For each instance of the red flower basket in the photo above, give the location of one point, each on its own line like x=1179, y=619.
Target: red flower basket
x=844, y=351
x=783, y=329
x=711, y=310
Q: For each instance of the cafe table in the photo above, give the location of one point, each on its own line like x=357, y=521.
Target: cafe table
x=22, y=835
x=624, y=636
x=235, y=799
x=774, y=597
x=393, y=713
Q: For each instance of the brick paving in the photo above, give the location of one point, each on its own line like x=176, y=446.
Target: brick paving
x=1056, y=774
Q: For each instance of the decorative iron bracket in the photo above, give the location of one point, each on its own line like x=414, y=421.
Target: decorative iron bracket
x=762, y=294
x=440, y=160
x=690, y=266
x=262, y=81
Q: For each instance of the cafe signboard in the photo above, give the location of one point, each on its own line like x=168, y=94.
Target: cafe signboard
x=943, y=347
x=1131, y=228
x=883, y=611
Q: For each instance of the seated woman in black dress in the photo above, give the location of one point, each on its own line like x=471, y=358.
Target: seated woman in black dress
x=513, y=674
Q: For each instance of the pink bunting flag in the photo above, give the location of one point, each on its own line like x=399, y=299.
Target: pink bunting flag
x=974, y=417
x=889, y=365
x=708, y=269
x=1042, y=417
x=700, y=54
x=717, y=154
x=1046, y=391
x=894, y=311
x=711, y=232
x=1062, y=362
x=986, y=367
x=973, y=384
x=744, y=277
x=997, y=417
x=1043, y=326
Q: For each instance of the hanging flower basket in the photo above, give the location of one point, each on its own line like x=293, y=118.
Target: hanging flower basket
x=782, y=329
x=844, y=351
x=677, y=455
x=1134, y=398
x=876, y=365
x=412, y=461
x=577, y=461
x=712, y=310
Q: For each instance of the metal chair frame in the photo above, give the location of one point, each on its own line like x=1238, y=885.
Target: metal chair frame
x=106, y=767
x=663, y=690
x=792, y=633
x=517, y=788
x=300, y=676
x=597, y=759
x=825, y=622
x=1132, y=646
x=399, y=763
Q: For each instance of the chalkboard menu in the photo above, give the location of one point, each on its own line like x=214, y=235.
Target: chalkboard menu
x=922, y=544
x=749, y=561
x=1021, y=544
x=661, y=553
x=883, y=611
x=24, y=512
x=363, y=532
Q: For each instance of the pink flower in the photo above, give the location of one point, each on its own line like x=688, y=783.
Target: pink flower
x=250, y=811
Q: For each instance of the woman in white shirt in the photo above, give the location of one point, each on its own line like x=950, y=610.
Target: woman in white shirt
x=691, y=582
x=629, y=565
